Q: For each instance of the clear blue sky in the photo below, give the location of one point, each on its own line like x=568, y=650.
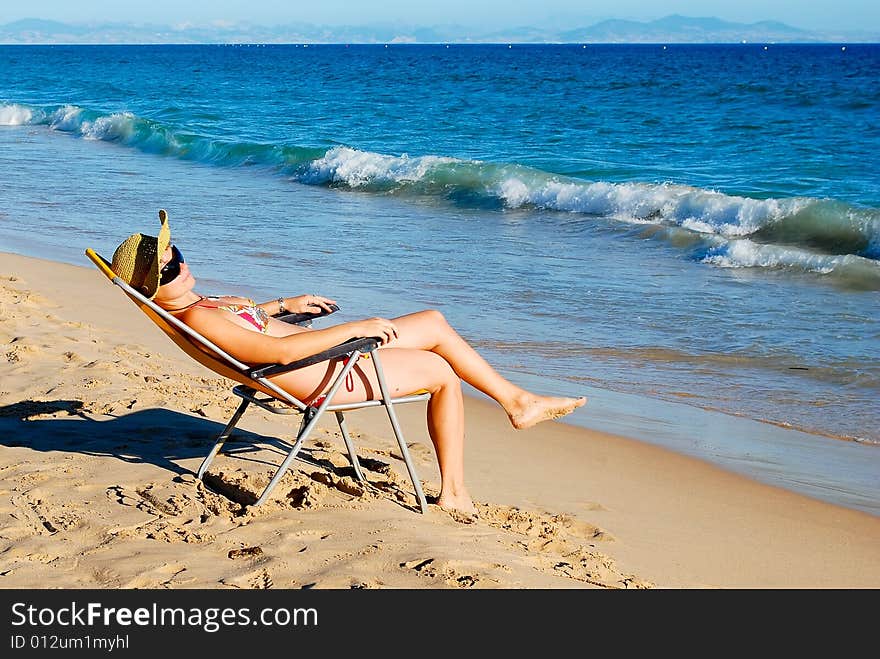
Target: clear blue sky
x=811, y=14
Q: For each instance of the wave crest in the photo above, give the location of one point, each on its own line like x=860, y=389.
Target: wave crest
x=856, y=271
x=358, y=169
x=15, y=115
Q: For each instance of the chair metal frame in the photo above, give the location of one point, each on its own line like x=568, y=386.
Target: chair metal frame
x=254, y=380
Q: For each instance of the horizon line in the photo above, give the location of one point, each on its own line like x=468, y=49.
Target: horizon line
x=387, y=44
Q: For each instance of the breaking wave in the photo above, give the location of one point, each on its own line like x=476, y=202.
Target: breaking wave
x=819, y=236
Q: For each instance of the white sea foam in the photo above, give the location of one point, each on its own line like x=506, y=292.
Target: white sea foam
x=703, y=211
x=15, y=115
x=745, y=253
x=67, y=118
x=115, y=126
x=358, y=168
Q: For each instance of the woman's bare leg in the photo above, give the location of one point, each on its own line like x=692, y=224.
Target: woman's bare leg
x=429, y=330
x=406, y=371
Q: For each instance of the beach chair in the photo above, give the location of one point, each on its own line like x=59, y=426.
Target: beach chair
x=255, y=387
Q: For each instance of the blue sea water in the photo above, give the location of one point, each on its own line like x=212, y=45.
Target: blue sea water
x=676, y=230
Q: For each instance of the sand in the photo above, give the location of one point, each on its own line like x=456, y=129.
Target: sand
x=103, y=422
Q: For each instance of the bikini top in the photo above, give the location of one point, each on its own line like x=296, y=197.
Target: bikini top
x=255, y=315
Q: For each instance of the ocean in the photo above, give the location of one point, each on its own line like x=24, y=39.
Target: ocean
x=687, y=234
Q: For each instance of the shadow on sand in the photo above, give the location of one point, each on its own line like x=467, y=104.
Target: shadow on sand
x=155, y=436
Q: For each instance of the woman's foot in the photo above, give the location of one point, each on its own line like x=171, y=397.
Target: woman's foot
x=460, y=503
x=531, y=409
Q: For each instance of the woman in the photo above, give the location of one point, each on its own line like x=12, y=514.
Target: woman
x=419, y=351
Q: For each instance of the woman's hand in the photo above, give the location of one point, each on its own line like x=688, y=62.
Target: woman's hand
x=381, y=328
x=308, y=304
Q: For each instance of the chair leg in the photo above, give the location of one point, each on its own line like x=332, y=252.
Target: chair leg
x=227, y=431
x=398, y=433
x=348, y=444
x=309, y=426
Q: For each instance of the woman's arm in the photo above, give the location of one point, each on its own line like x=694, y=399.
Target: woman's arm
x=299, y=304
x=257, y=348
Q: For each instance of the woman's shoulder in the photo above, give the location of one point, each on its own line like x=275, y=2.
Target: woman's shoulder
x=203, y=316
x=215, y=307
x=227, y=300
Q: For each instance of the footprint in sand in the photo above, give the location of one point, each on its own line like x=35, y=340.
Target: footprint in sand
x=455, y=574
x=106, y=577
x=562, y=545
x=295, y=489
x=175, y=516
x=540, y=524
x=254, y=579
x=44, y=519
x=262, y=581
x=165, y=576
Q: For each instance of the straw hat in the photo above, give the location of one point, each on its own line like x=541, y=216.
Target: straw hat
x=136, y=260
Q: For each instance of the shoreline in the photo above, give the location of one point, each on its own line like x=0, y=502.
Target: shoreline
x=83, y=362
x=790, y=457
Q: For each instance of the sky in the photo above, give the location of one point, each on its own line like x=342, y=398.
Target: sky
x=484, y=14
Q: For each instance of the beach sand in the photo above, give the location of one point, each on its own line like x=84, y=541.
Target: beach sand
x=103, y=422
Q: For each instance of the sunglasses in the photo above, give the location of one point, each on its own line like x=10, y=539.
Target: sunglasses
x=171, y=270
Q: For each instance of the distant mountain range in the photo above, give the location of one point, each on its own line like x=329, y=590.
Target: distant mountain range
x=671, y=29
